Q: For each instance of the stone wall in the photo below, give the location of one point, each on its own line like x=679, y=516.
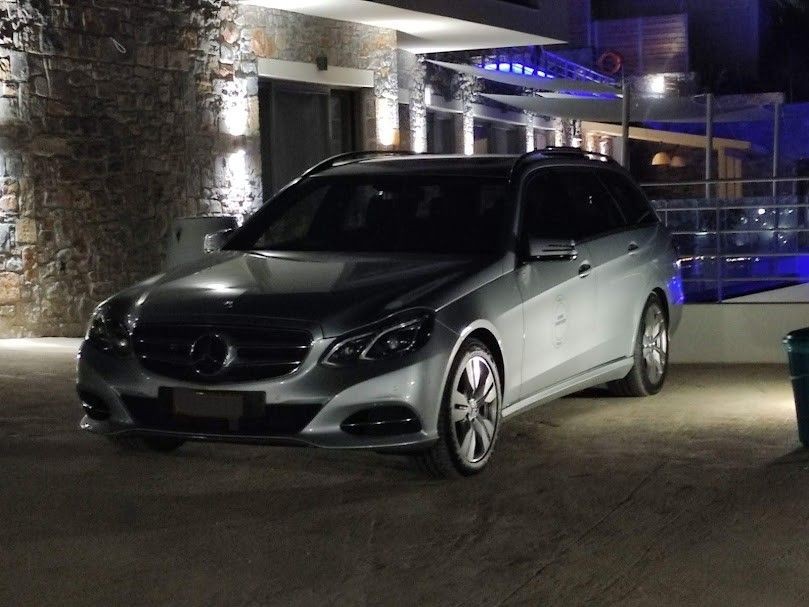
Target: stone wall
x=118, y=116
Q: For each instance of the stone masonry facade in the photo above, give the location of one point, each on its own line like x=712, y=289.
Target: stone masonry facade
x=118, y=116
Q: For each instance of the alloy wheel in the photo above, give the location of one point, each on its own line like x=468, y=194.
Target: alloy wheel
x=655, y=344
x=475, y=408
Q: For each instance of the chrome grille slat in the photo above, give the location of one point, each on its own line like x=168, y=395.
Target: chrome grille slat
x=179, y=360
x=260, y=352
x=274, y=347
x=164, y=341
x=291, y=363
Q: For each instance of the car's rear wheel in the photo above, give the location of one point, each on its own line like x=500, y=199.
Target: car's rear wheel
x=469, y=419
x=651, y=354
x=160, y=444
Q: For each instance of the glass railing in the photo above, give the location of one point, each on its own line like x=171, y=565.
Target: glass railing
x=737, y=246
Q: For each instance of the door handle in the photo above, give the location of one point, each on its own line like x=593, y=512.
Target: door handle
x=633, y=246
x=584, y=270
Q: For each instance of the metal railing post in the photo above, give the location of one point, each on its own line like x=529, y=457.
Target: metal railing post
x=776, y=147
x=625, y=124
x=709, y=116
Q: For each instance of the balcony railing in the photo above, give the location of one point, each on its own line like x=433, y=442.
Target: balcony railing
x=539, y=62
x=733, y=247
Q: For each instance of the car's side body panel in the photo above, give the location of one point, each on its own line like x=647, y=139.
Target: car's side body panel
x=497, y=308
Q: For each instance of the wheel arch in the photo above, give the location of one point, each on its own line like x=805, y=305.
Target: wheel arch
x=490, y=341
x=664, y=300
x=651, y=290
x=488, y=334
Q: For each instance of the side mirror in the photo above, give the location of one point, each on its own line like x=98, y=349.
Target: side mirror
x=543, y=249
x=216, y=240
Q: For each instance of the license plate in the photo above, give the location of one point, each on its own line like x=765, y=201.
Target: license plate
x=204, y=403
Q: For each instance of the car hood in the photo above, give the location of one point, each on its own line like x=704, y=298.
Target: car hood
x=338, y=293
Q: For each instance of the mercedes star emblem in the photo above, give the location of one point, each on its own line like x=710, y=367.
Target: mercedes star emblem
x=211, y=354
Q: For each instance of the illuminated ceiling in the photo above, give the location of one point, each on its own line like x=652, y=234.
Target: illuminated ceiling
x=421, y=31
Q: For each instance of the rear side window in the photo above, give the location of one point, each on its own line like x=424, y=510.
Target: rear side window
x=569, y=203
x=546, y=215
x=630, y=199
x=596, y=211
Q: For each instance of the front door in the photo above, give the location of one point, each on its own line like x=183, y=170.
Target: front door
x=300, y=126
x=559, y=297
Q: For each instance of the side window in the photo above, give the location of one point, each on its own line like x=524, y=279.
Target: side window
x=547, y=213
x=630, y=199
x=592, y=205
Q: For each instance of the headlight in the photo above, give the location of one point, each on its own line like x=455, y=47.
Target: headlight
x=395, y=337
x=107, y=334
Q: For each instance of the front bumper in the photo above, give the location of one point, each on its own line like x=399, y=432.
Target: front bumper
x=414, y=382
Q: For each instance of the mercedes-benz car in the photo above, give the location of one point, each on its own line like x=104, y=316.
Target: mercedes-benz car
x=398, y=303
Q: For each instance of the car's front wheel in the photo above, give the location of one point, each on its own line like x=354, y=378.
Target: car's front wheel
x=469, y=419
x=651, y=354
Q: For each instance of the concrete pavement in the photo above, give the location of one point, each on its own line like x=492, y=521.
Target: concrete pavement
x=697, y=496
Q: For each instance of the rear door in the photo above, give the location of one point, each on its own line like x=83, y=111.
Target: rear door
x=622, y=257
x=559, y=297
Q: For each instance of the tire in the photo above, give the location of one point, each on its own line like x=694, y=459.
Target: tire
x=651, y=354
x=158, y=444
x=470, y=415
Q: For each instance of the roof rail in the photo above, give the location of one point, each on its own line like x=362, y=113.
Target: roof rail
x=551, y=151
x=352, y=157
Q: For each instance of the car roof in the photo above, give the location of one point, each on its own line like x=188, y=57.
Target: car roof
x=491, y=166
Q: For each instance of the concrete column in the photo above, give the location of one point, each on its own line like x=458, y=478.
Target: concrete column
x=418, y=108
x=530, y=138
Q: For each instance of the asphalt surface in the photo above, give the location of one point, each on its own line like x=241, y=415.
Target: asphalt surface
x=699, y=496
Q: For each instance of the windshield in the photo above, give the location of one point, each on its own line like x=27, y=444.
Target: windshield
x=395, y=214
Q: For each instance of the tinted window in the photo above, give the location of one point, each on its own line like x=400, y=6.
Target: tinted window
x=413, y=214
x=633, y=203
x=569, y=204
x=546, y=215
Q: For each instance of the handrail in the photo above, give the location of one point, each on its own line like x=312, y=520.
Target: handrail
x=573, y=69
x=750, y=246
x=669, y=184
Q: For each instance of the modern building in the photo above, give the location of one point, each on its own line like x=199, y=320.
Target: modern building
x=116, y=118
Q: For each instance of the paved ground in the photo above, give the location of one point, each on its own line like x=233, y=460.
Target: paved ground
x=695, y=497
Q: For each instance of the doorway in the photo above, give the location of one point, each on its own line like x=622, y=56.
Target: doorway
x=301, y=125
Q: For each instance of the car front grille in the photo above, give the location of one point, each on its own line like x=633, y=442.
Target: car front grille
x=254, y=352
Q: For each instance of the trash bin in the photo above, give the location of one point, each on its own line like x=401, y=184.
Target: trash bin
x=797, y=347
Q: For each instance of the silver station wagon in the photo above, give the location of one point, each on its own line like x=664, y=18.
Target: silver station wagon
x=393, y=302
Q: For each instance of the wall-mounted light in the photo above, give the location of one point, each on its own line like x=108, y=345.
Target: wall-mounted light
x=235, y=114
x=387, y=122
x=428, y=95
x=657, y=84
x=661, y=159
x=468, y=133
x=678, y=162
x=236, y=163
x=530, y=140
